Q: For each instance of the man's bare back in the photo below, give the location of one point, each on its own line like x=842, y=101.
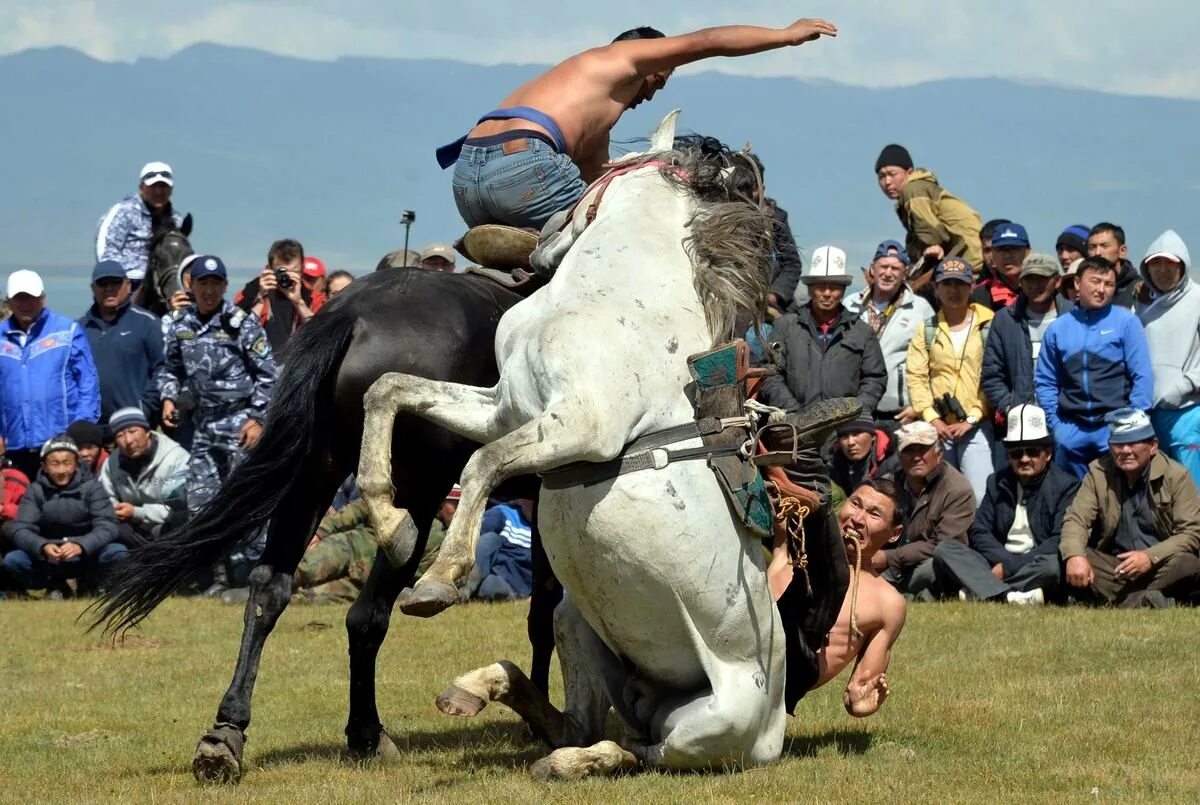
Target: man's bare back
x=587, y=94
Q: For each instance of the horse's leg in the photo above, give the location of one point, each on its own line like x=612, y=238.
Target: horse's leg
x=563, y=434
x=465, y=410
x=547, y=593
x=219, y=753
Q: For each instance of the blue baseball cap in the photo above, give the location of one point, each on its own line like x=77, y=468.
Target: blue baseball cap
x=1010, y=235
x=208, y=266
x=108, y=270
x=954, y=268
x=886, y=248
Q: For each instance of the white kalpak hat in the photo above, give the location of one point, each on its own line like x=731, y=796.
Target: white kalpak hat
x=1027, y=425
x=25, y=281
x=828, y=265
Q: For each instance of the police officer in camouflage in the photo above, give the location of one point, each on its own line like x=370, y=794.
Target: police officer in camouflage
x=217, y=359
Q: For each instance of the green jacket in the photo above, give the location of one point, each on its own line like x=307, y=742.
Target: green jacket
x=933, y=216
x=1174, y=502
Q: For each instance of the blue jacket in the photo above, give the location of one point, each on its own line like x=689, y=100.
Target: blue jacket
x=513, y=561
x=1093, y=362
x=1046, y=502
x=46, y=382
x=128, y=352
x=1008, y=356
x=124, y=234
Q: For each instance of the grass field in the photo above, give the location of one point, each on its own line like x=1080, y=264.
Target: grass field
x=989, y=704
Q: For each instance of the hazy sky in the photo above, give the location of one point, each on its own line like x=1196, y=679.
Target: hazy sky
x=1147, y=47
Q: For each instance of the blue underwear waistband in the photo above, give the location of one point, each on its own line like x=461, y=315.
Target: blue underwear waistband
x=447, y=155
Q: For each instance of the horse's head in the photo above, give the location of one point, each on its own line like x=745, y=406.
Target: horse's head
x=168, y=246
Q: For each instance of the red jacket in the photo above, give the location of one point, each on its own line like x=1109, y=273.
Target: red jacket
x=15, y=484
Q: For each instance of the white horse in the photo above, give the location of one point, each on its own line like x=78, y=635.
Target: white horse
x=668, y=616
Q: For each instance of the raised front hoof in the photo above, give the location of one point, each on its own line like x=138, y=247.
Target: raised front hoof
x=428, y=598
x=604, y=759
x=455, y=701
x=218, y=758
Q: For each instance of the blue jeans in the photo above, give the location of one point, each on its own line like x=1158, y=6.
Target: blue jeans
x=27, y=572
x=1079, y=444
x=522, y=189
x=1178, y=434
x=972, y=456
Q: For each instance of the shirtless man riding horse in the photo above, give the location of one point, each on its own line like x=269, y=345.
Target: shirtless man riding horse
x=537, y=154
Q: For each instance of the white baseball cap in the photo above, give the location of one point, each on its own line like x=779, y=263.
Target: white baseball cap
x=25, y=281
x=155, y=173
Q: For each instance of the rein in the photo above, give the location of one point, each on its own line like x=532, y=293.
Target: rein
x=601, y=185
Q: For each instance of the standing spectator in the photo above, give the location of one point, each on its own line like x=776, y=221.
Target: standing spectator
x=894, y=313
x=938, y=506
x=65, y=527
x=1131, y=535
x=945, y=361
x=1012, y=348
x=1067, y=286
x=219, y=354
x=125, y=231
x=89, y=439
x=1093, y=360
x=504, y=557
x=126, y=343
x=144, y=479
x=337, y=282
x=1013, y=555
x=1108, y=241
x=939, y=224
x=1072, y=245
x=786, y=265
x=1009, y=248
x=825, y=351
x=280, y=308
x=47, y=377
x=1169, y=309
x=985, y=244
x=437, y=257
x=313, y=278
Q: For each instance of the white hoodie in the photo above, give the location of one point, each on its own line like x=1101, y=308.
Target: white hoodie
x=1172, y=323
x=151, y=491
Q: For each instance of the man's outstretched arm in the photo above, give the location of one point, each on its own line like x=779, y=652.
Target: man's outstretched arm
x=868, y=688
x=649, y=56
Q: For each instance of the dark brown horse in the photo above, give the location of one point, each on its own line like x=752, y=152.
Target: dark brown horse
x=168, y=246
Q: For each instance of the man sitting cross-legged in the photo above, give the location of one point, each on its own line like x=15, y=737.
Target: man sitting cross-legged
x=1132, y=533
x=868, y=624
x=1013, y=555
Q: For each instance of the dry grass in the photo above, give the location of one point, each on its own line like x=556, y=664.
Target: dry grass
x=991, y=704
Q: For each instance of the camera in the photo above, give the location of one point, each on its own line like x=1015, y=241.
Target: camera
x=283, y=279
x=947, y=406
x=407, y=217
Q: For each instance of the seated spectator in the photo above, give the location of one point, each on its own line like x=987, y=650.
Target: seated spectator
x=1072, y=245
x=1013, y=555
x=1010, y=247
x=142, y=479
x=1108, y=241
x=337, y=282
x=438, y=257
x=861, y=453
x=824, y=351
x=89, y=438
x=1169, y=309
x=869, y=521
x=65, y=528
x=1132, y=533
x=1093, y=360
x=503, y=559
x=945, y=361
x=339, y=557
x=15, y=485
x=1010, y=354
x=939, y=506
x=891, y=309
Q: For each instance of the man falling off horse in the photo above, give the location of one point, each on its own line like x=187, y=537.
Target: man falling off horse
x=537, y=154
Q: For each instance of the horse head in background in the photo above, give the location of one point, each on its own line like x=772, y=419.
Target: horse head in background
x=168, y=246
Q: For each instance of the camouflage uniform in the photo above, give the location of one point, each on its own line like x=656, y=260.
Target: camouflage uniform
x=124, y=235
x=226, y=365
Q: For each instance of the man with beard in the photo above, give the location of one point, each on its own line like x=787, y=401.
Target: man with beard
x=125, y=231
x=1013, y=555
x=536, y=154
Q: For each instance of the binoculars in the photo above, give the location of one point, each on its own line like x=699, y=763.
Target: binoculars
x=947, y=405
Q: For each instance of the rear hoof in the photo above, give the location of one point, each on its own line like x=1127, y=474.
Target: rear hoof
x=218, y=757
x=605, y=759
x=428, y=598
x=386, y=751
x=455, y=701
x=401, y=541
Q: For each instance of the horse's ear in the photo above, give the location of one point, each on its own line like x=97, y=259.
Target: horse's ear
x=663, y=138
x=186, y=226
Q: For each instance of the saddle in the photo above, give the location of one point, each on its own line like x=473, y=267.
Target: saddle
x=502, y=255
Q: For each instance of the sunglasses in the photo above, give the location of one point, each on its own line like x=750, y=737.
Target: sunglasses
x=1025, y=452
x=149, y=177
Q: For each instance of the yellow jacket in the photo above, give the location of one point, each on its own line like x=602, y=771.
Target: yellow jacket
x=939, y=370
x=933, y=216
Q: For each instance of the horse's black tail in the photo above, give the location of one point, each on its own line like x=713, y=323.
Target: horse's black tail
x=255, y=489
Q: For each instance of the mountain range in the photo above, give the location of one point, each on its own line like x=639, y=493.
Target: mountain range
x=265, y=146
